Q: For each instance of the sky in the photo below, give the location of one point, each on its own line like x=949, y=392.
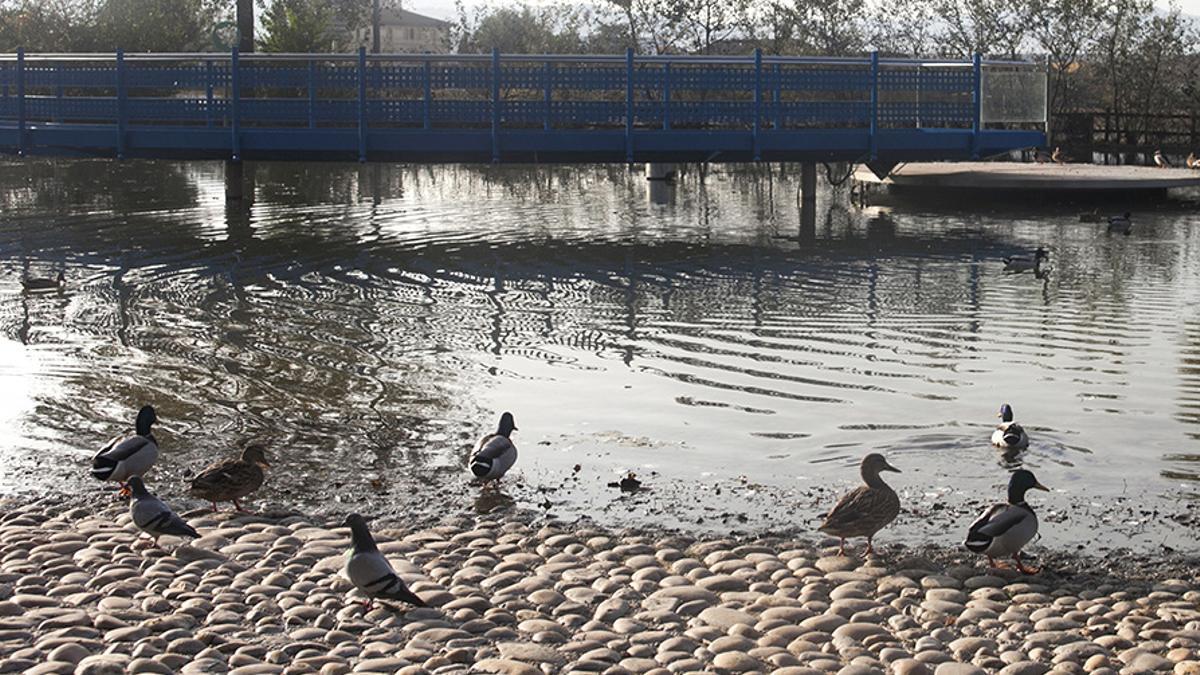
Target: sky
x=444, y=9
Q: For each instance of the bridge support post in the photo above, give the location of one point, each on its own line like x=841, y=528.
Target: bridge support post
x=808, y=196
x=663, y=171
x=239, y=183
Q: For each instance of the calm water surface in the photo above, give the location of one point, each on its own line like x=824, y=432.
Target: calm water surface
x=369, y=322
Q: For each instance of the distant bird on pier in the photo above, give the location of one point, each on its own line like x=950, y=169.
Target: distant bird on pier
x=124, y=458
x=1004, y=529
x=1023, y=262
x=1192, y=162
x=495, y=453
x=44, y=283
x=865, y=510
x=1122, y=224
x=232, y=479
x=1059, y=157
x=1160, y=160
x=370, y=571
x=1008, y=434
x=154, y=517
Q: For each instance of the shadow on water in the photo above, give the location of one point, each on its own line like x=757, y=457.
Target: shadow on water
x=369, y=321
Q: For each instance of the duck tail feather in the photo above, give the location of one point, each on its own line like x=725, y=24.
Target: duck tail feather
x=481, y=467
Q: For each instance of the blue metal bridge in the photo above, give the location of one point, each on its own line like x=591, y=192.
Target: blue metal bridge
x=516, y=108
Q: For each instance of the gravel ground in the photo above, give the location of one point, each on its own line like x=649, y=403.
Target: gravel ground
x=508, y=594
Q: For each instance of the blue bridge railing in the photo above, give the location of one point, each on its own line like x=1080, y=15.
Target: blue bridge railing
x=439, y=107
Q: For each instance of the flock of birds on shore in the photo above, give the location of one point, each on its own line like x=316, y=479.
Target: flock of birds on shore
x=1160, y=160
x=1002, y=530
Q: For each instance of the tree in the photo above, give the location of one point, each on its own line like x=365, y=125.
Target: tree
x=523, y=29
x=157, y=25
x=298, y=26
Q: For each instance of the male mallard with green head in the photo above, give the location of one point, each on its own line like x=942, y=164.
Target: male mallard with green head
x=864, y=510
x=124, y=458
x=1008, y=434
x=1004, y=529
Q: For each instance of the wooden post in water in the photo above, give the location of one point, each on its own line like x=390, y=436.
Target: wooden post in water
x=808, y=196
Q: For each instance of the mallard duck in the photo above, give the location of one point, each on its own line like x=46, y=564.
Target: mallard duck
x=1004, y=529
x=1058, y=156
x=1192, y=162
x=43, y=283
x=1023, y=262
x=154, y=517
x=1008, y=434
x=231, y=479
x=1160, y=160
x=125, y=457
x=864, y=510
x=495, y=453
x=1122, y=224
x=370, y=571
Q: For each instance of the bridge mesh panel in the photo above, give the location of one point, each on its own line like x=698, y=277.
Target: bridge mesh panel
x=1014, y=96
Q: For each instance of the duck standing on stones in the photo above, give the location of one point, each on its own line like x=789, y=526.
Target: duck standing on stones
x=1160, y=160
x=1192, y=162
x=231, y=479
x=495, y=453
x=1122, y=224
x=44, y=284
x=1004, y=529
x=154, y=517
x=864, y=510
x=130, y=456
x=370, y=571
x=1023, y=262
x=1008, y=434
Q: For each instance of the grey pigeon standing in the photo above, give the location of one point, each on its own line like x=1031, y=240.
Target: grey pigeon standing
x=370, y=571
x=154, y=517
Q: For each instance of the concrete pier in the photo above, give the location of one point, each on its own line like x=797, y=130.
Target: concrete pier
x=1072, y=179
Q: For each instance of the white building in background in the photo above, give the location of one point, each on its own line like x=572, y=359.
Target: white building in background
x=405, y=32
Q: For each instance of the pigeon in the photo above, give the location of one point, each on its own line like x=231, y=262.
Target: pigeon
x=370, y=571
x=154, y=517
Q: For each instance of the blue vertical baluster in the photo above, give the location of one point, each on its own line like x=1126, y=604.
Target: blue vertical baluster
x=757, y=102
x=874, y=123
x=121, y=112
x=362, y=104
x=58, y=93
x=235, y=105
x=629, y=104
x=495, y=104
x=977, y=105
x=208, y=93
x=548, y=94
x=312, y=94
x=778, y=124
x=427, y=105
x=666, y=96
x=21, y=101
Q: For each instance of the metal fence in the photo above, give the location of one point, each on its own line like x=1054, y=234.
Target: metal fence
x=756, y=94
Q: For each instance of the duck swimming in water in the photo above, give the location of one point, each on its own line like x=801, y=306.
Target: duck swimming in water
x=1023, y=262
x=1008, y=434
x=44, y=284
x=1004, y=529
x=1122, y=224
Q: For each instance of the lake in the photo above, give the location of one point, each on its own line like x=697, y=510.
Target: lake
x=368, y=323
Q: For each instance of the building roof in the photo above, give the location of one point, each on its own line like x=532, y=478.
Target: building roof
x=390, y=16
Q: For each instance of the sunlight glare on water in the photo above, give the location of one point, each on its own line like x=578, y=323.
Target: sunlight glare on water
x=370, y=322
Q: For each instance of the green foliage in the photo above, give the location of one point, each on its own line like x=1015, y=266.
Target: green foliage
x=298, y=26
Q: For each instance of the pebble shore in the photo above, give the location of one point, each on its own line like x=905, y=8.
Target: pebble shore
x=264, y=594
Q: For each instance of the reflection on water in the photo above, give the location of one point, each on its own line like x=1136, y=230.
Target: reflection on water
x=368, y=322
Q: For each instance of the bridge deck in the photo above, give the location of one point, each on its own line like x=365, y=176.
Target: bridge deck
x=454, y=108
